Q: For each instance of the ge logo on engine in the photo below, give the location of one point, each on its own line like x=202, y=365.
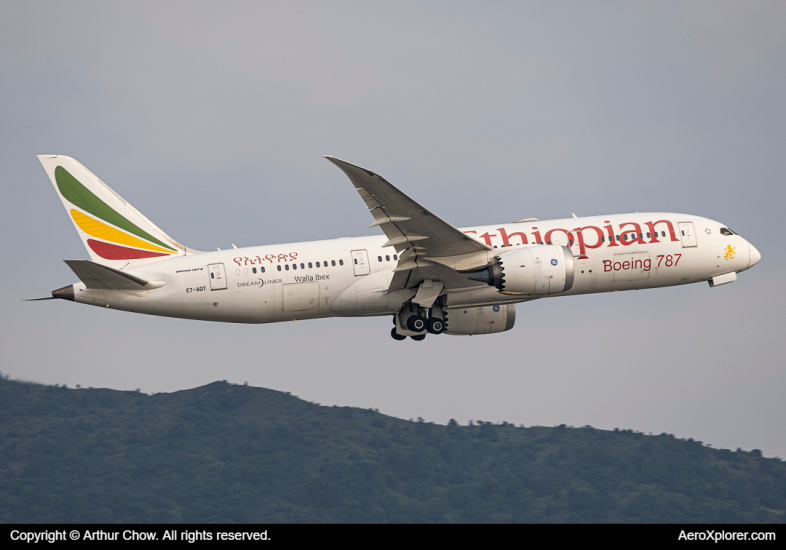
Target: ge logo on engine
x=554, y=261
x=496, y=309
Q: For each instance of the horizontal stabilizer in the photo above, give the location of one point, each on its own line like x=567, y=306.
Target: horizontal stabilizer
x=97, y=276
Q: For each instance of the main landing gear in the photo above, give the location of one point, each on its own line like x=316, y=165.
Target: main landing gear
x=414, y=322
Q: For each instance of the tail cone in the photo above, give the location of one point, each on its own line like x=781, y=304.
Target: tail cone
x=65, y=293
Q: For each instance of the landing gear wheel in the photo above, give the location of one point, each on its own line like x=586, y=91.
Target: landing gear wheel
x=435, y=326
x=418, y=337
x=396, y=335
x=416, y=323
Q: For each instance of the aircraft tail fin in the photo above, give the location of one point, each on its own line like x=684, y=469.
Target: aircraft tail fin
x=114, y=232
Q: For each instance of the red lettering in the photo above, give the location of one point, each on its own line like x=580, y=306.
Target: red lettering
x=487, y=238
x=647, y=264
x=636, y=233
x=580, y=236
x=678, y=259
x=654, y=233
x=617, y=266
x=506, y=237
x=259, y=259
x=246, y=262
x=611, y=234
x=606, y=266
x=625, y=265
x=536, y=234
x=238, y=260
x=567, y=234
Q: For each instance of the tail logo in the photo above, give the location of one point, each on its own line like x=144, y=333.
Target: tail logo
x=120, y=239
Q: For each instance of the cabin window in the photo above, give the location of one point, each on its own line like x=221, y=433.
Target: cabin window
x=294, y=266
x=662, y=233
x=602, y=239
x=279, y=267
x=246, y=269
x=286, y=266
x=341, y=262
x=395, y=257
x=302, y=266
x=648, y=234
x=309, y=265
x=333, y=263
x=547, y=242
x=379, y=258
x=253, y=270
x=317, y=264
x=261, y=269
x=387, y=258
x=495, y=246
x=618, y=238
x=683, y=233
x=641, y=236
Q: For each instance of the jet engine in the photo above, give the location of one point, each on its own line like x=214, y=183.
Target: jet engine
x=532, y=270
x=479, y=320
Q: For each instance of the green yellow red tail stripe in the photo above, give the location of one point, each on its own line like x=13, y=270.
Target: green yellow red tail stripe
x=129, y=244
x=98, y=229
x=81, y=196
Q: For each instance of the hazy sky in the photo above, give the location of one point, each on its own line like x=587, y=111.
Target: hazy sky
x=211, y=118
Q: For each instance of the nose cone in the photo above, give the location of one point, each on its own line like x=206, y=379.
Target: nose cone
x=755, y=256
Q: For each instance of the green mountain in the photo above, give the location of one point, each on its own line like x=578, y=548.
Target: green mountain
x=228, y=453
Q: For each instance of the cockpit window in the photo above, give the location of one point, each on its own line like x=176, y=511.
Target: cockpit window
x=726, y=231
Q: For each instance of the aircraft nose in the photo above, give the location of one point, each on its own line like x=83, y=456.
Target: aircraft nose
x=755, y=256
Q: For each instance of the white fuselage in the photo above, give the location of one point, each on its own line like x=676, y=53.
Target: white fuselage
x=350, y=276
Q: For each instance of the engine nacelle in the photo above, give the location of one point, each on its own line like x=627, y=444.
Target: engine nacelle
x=531, y=270
x=479, y=320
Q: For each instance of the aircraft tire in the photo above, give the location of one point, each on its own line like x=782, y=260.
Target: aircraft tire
x=418, y=337
x=396, y=335
x=435, y=325
x=416, y=323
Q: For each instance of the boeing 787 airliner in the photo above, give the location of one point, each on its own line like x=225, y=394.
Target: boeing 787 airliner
x=429, y=276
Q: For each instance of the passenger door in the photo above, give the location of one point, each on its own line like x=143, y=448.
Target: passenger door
x=687, y=234
x=360, y=262
x=218, y=277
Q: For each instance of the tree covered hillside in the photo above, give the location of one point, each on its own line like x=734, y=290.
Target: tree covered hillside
x=228, y=453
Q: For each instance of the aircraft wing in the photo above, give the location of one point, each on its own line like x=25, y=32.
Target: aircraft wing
x=428, y=247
